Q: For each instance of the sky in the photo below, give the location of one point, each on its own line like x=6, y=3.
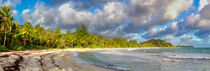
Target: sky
x=181, y=22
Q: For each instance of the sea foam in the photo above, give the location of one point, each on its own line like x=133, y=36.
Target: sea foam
x=197, y=57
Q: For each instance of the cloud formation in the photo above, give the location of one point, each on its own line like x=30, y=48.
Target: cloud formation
x=12, y=3
x=110, y=18
x=195, y=26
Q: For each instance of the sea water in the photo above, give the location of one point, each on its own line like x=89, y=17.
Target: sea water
x=162, y=59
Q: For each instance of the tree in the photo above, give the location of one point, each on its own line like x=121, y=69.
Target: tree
x=56, y=36
x=57, y=32
x=37, y=33
x=159, y=43
x=147, y=45
x=120, y=42
x=84, y=29
x=37, y=30
x=7, y=21
x=26, y=32
x=69, y=39
x=81, y=31
x=13, y=31
x=133, y=43
x=82, y=36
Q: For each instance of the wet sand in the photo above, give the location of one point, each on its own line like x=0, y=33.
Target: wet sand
x=46, y=60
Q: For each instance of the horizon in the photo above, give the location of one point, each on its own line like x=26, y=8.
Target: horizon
x=181, y=22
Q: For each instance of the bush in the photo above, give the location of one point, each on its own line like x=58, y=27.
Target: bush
x=78, y=47
x=147, y=45
x=18, y=48
x=32, y=47
x=95, y=46
x=3, y=49
x=66, y=47
x=35, y=47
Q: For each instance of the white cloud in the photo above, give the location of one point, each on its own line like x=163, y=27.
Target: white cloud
x=14, y=12
x=71, y=16
x=170, y=37
x=25, y=15
x=205, y=12
x=199, y=23
x=203, y=3
x=109, y=21
x=114, y=12
x=12, y=3
x=174, y=26
x=176, y=7
x=26, y=11
x=187, y=38
x=146, y=14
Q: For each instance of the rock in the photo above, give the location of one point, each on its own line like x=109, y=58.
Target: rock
x=170, y=60
x=43, y=60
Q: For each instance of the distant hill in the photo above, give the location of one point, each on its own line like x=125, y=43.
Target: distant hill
x=185, y=46
x=158, y=43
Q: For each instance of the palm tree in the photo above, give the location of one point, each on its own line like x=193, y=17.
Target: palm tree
x=13, y=31
x=56, y=35
x=26, y=32
x=37, y=30
x=6, y=20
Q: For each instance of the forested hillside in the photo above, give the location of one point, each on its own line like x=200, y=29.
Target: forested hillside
x=14, y=36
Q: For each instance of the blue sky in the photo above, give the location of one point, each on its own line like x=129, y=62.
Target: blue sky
x=182, y=22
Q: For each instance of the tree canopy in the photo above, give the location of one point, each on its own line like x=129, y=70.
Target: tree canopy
x=28, y=36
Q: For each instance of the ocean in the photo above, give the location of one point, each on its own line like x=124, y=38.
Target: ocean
x=154, y=59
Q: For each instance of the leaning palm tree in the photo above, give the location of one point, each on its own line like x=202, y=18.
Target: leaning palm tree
x=6, y=20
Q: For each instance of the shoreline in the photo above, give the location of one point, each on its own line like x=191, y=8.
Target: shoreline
x=50, y=59
x=45, y=60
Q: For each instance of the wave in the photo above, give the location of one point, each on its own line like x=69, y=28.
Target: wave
x=115, y=67
x=196, y=57
x=100, y=63
x=163, y=54
x=133, y=49
x=136, y=59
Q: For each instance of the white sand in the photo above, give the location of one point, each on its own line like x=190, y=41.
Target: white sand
x=46, y=60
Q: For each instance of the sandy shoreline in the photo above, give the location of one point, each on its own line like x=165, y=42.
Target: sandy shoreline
x=46, y=60
x=50, y=60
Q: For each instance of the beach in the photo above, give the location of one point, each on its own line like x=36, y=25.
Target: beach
x=107, y=59
x=150, y=59
x=45, y=60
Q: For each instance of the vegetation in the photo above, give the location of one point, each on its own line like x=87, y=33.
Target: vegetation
x=26, y=37
x=185, y=46
x=157, y=43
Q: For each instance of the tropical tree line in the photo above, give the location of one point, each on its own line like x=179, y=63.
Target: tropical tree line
x=14, y=36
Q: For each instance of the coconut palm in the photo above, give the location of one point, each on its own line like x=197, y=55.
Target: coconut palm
x=6, y=20
x=56, y=36
x=26, y=32
x=13, y=31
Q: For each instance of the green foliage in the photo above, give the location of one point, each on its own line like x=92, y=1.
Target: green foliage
x=29, y=37
x=133, y=43
x=32, y=47
x=120, y=42
x=159, y=43
x=7, y=22
x=3, y=49
x=148, y=45
x=18, y=48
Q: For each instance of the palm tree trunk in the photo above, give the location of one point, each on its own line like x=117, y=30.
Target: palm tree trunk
x=5, y=37
x=11, y=41
x=53, y=45
x=24, y=42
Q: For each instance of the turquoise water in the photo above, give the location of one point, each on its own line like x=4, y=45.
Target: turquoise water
x=164, y=59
